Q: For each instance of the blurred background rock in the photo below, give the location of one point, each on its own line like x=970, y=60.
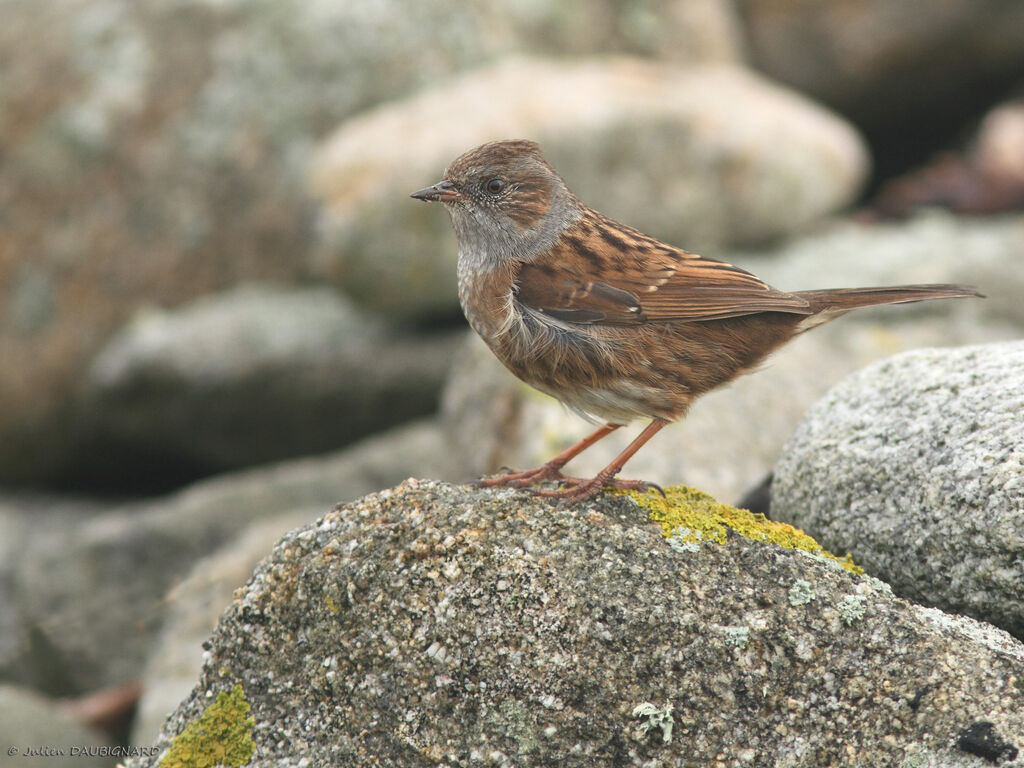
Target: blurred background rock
x=209, y=263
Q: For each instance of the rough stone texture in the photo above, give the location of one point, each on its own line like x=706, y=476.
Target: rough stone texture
x=916, y=466
x=192, y=610
x=29, y=721
x=431, y=625
x=884, y=62
x=697, y=156
x=85, y=585
x=250, y=376
x=155, y=151
x=731, y=438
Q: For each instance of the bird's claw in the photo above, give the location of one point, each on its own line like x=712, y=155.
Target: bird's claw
x=570, y=489
x=581, y=490
x=520, y=479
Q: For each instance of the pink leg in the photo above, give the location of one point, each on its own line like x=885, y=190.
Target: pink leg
x=552, y=469
x=587, y=488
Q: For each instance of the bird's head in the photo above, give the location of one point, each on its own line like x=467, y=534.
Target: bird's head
x=504, y=194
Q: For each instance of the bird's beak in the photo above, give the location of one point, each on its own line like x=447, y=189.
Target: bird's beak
x=442, y=192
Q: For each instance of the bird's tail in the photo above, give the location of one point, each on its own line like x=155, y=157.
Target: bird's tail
x=829, y=304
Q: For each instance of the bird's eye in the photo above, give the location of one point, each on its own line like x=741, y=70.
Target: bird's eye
x=494, y=186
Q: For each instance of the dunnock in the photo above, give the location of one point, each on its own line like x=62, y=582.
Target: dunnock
x=613, y=323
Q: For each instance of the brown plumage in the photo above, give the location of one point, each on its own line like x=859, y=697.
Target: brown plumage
x=613, y=323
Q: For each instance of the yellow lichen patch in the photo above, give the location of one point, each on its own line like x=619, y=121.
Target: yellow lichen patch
x=332, y=605
x=221, y=736
x=690, y=516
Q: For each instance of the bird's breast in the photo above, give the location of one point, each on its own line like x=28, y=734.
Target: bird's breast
x=486, y=299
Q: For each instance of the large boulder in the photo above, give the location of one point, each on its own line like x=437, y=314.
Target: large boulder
x=916, y=465
x=434, y=625
x=246, y=377
x=699, y=157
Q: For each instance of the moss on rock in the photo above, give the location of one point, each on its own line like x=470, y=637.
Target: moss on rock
x=688, y=515
x=221, y=736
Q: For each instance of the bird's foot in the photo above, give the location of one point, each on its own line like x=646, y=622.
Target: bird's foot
x=577, y=489
x=570, y=489
x=520, y=479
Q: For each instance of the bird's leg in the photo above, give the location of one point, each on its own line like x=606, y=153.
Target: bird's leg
x=552, y=469
x=585, y=489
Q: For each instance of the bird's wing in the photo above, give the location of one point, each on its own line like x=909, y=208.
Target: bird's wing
x=600, y=271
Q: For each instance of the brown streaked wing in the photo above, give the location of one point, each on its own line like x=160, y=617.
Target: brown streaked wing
x=598, y=273
x=565, y=297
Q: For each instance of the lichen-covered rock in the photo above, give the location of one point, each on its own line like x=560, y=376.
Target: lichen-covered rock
x=433, y=625
x=916, y=465
x=696, y=156
x=193, y=607
x=221, y=736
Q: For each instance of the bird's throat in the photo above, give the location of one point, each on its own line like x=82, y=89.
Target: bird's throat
x=485, y=293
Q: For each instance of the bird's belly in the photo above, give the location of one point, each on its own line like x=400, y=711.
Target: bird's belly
x=619, y=401
x=619, y=374
x=598, y=378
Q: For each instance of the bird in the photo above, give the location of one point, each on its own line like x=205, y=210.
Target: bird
x=615, y=324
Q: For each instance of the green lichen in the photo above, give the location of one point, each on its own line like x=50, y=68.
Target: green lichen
x=852, y=608
x=737, y=636
x=221, y=736
x=656, y=717
x=801, y=593
x=687, y=515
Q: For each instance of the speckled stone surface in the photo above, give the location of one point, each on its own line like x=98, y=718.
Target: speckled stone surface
x=437, y=625
x=916, y=466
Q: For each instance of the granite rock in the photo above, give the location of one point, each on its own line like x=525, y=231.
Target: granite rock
x=193, y=607
x=436, y=625
x=916, y=466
